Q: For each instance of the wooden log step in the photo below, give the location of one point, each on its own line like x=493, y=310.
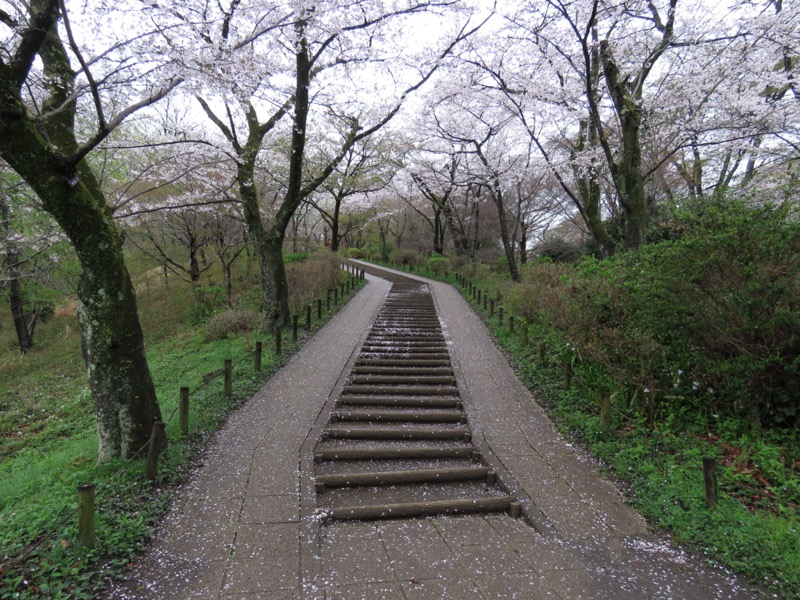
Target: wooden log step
x=382, y=370
x=415, y=349
x=395, y=453
x=408, y=326
x=409, y=390
x=402, y=362
x=397, y=354
x=410, y=401
x=410, y=379
x=405, y=337
x=383, y=321
x=381, y=341
x=424, y=416
x=421, y=322
x=397, y=433
x=405, y=353
x=420, y=509
x=401, y=477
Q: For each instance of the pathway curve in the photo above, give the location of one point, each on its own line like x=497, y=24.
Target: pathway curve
x=247, y=526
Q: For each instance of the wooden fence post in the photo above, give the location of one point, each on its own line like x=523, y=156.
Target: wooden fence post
x=328, y=300
x=228, y=370
x=491, y=308
x=511, y=324
x=295, y=320
x=183, y=416
x=710, y=481
x=567, y=375
x=525, y=334
x=151, y=463
x=500, y=314
x=319, y=309
x=259, y=350
x=308, y=317
x=278, y=340
x=86, y=535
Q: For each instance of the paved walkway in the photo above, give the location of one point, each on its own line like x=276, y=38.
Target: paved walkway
x=245, y=526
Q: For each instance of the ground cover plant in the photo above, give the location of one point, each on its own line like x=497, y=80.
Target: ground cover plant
x=49, y=445
x=693, y=342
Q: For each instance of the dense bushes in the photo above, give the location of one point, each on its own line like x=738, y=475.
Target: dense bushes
x=309, y=279
x=232, y=322
x=712, y=315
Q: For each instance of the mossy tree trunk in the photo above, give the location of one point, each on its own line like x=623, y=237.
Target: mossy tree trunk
x=119, y=379
x=626, y=92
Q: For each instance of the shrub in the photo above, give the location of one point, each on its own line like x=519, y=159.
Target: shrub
x=560, y=250
x=404, y=257
x=309, y=279
x=233, y=321
x=294, y=257
x=437, y=263
x=725, y=297
x=712, y=315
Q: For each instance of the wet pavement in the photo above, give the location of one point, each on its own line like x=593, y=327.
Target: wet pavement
x=247, y=525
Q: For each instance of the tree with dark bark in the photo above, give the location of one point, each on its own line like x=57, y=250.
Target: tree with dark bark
x=366, y=168
x=39, y=140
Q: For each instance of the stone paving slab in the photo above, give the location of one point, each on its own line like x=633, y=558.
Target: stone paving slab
x=246, y=526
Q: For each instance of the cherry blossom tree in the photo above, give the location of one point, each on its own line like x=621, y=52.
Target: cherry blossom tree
x=59, y=98
x=626, y=102
x=272, y=62
x=366, y=168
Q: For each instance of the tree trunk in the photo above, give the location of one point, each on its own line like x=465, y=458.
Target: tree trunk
x=523, y=246
x=589, y=191
x=335, y=226
x=257, y=231
x=508, y=246
x=194, y=266
x=227, y=269
x=24, y=333
x=384, y=245
x=634, y=201
x=280, y=283
x=473, y=248
x=119, y=378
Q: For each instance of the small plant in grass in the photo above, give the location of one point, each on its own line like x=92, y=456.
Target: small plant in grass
x=207, y=299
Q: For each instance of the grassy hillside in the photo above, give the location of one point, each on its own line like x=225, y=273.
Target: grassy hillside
x=48, y=441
